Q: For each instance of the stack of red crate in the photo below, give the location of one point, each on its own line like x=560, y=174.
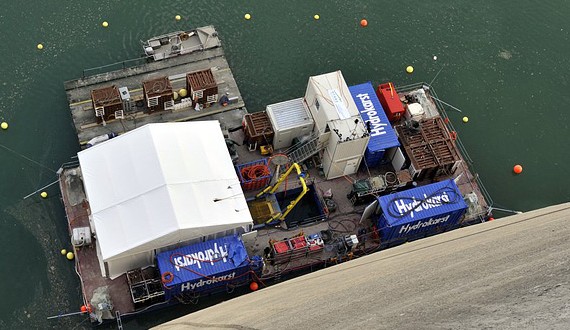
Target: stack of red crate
x=290, y=249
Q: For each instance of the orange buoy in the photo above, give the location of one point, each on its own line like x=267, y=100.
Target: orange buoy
x=253, y=286
x=167, y=277
x=517, y=169
x=363, y=22
x=490, y=219
x=83, y=309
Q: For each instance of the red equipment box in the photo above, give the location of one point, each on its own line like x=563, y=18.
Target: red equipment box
x=390, y=101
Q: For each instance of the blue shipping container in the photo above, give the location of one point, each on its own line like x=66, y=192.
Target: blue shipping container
x=204, y=266
x=382, y=135
x=419, y=212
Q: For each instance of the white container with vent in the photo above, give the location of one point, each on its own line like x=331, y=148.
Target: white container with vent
x=289, y=119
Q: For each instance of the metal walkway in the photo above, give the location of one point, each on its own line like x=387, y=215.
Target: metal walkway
x=303, y=150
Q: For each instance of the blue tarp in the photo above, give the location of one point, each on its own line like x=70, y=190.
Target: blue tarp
x=382, y=135
x=420, y=211
x=203, y=266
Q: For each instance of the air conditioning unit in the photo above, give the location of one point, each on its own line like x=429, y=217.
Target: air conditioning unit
x=99, y=112
x=81, y=236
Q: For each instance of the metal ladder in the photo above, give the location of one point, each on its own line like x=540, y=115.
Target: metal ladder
x=304, y=150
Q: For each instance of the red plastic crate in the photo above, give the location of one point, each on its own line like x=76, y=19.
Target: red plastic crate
x=298, y=243
x=281, y=247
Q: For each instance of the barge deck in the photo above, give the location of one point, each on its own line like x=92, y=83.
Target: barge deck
x=211, y=57
x=341, y=218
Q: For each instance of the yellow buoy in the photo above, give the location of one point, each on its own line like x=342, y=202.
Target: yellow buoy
x=175, y=95
x=40, y=46
x=465, y=119
x=105, y=24
x=70, y=255
x=4, y=125
x=63, y=252
x=247, y=16
x=316, y=16
x=410, y=69
x=177, y=17
x=44, y=194
x=183, y=92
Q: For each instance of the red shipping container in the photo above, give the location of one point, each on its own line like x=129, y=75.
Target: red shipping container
x=390, y=101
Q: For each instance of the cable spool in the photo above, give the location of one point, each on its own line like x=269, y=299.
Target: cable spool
x=254, y=172
x=390, y=178
x=331, y=205
x=279, y=159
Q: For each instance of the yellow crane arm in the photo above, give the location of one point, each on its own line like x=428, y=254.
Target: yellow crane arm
x=272, y=189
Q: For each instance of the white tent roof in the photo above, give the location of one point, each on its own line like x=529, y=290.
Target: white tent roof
x=161, y=184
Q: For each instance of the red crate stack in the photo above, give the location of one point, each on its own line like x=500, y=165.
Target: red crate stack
x=294, y=248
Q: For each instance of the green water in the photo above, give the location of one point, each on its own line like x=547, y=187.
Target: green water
x=505, y=65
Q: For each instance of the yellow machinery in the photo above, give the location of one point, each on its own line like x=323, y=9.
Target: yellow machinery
x=272, y=189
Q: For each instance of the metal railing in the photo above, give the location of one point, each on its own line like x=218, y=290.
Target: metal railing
x=303, y=150
x=114, y=66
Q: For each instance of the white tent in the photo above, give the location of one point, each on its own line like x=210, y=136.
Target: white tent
x=158, y=186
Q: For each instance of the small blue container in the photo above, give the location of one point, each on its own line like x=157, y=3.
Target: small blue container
x=205, y=267
x=420, y=212
x=382, y=135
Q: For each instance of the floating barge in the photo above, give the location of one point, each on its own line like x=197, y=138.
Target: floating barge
x=136, y=107
x=208, y=197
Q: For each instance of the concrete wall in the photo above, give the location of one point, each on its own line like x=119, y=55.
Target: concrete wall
x=510, y=273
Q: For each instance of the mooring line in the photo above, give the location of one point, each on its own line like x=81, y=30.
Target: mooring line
x=27, y=158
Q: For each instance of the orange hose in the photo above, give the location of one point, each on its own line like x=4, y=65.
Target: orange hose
x=254, y=172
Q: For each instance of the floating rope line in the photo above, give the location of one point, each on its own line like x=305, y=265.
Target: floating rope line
x=27, y=158
x=437, y=74
x=449, y=105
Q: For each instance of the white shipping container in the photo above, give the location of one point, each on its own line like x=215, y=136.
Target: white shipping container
x=289, y=119
x=328, y=98
x=343, y=157
x=339, y=168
